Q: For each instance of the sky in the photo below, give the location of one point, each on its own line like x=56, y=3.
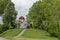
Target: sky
x=23, y=6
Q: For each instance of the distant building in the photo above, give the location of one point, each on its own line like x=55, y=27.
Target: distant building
x=23, y=22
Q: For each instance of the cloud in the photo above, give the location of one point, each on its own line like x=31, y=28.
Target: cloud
x=22, y=6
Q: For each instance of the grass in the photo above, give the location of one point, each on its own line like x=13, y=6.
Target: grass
x=37, y=35
x=29, y=34
x=9, y=34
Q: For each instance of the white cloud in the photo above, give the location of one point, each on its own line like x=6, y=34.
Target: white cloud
x=22, y=6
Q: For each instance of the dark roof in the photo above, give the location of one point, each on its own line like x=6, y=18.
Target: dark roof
x=21, y=17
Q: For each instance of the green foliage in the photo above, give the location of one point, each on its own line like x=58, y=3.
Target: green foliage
x=3, y=4
x=3, y=28
x=0, y=28
x=46, y=15
x=53, y=29
x=9, y=15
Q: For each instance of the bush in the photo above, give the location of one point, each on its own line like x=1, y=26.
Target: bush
x=53, y=29
x=0, y=28
x=3, y=28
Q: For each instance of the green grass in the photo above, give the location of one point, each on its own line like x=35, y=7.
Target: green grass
x=37, y=34
x=29, y=34
x=9, y=34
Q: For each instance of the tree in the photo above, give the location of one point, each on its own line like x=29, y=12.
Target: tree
x=45, y=15
x=3, y=4
x=10, y=15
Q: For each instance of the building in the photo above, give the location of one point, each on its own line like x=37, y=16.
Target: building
x=23, y=22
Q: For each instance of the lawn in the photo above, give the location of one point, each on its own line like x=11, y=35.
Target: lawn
x=29, y=34
x=9, y=34
x=36, y=34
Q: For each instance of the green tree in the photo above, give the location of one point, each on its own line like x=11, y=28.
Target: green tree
x=45, y=15
x=3, y=4
x=10, y=14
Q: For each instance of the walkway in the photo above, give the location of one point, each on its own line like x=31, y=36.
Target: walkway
x=19, y=35
x=2, y=38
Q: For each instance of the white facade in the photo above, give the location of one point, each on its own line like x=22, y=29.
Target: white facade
x=23, y=24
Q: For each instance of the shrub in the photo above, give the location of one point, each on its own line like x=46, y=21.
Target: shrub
x=3, y=28
x=0, y=28
x=53, y=29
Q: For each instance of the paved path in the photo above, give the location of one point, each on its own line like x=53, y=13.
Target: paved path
x=2, y=38
x=21, y=33
x=15, y=38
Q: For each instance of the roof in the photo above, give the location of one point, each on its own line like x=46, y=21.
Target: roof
x=21, y=17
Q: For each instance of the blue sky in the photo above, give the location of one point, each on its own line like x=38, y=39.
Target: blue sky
x=22, y=6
